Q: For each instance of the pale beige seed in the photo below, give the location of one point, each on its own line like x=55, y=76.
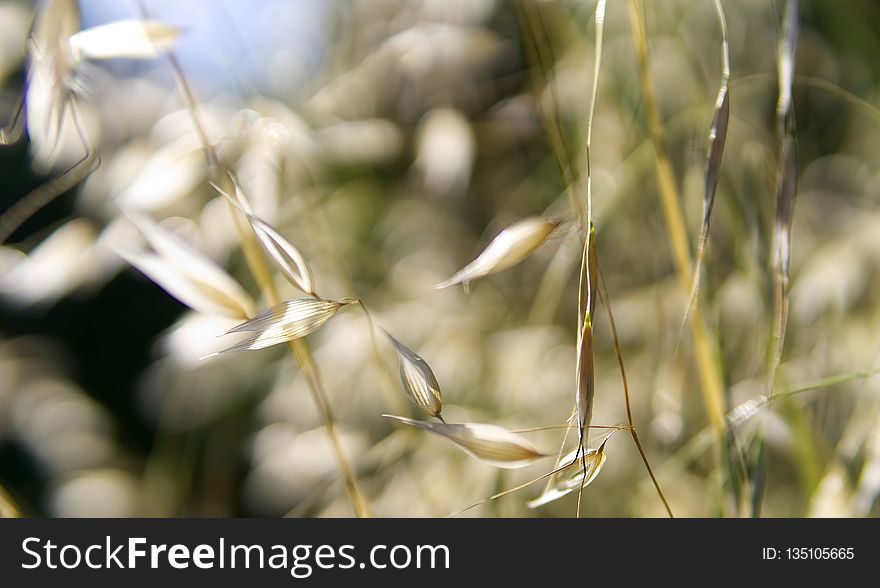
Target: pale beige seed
x=510, y=247
x=287, y=258
x=284, y=255
x=489, y=443
x=418, y=380
x=585, y=467
x=284, y=322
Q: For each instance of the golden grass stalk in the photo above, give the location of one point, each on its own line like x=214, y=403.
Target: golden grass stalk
x=51, y=67
x=712, y=385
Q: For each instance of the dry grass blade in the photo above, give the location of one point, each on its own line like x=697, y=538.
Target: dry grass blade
x=489, y=443
x=285, y=322
x=717, y=140
x=284, y=255
x=418, y=380
x=184, y=273
x=786, y=190
x=129, y=39
x=590, y=466
x=510, y=247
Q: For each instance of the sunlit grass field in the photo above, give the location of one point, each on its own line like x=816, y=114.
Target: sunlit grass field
x=416, y=258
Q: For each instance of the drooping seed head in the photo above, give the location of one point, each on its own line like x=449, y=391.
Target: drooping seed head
x=510, y=247
x=489, y=443
x=285, y=322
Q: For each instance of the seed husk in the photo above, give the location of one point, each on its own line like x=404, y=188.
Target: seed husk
x=284, y=255
x=489, y=443
x=418, y=380
x=285, y=322
x=508, y=248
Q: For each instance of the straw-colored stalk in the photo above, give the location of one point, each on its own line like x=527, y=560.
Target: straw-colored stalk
x=704, y=348
x=259, y=267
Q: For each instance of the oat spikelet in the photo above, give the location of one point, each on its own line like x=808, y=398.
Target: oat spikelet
x=586, y=470
x=510, y=247
x=284, y=255
x=285, y=322
x=418, y=380
x=489, y=443
x=584, y=376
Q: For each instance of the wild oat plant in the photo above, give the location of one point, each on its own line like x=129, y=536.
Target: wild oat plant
x=439, y=258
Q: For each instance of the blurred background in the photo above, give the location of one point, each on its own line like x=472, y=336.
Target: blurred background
x=391, y=140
